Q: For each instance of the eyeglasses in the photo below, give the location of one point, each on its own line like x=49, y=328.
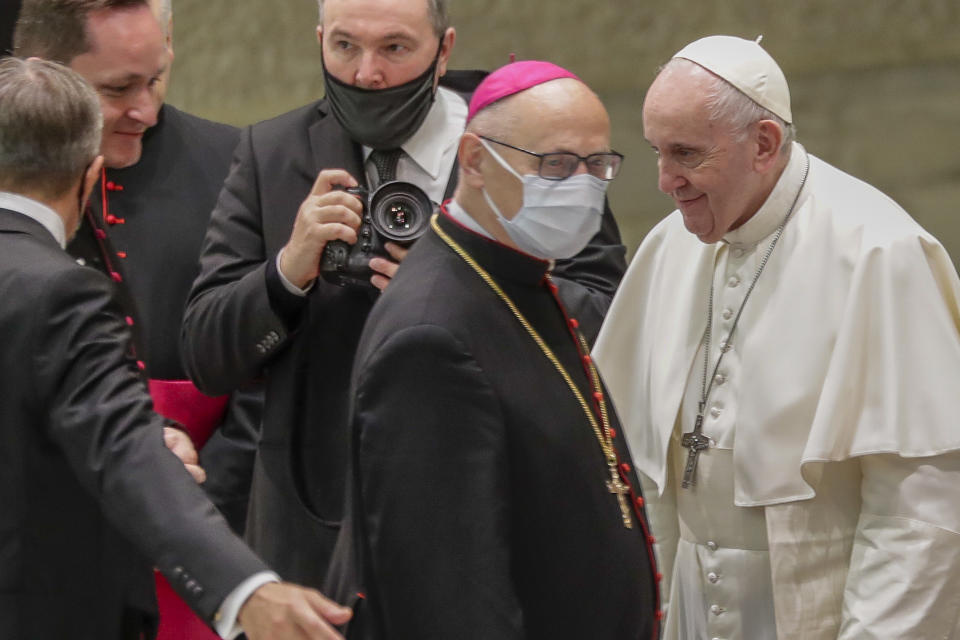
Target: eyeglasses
x=561, y=165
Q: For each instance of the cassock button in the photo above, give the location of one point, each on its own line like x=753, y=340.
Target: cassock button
x=716, y=609
x=720, y=378
x=733, y=282
x=101, y=234
x=624, y=467
x=110, y=219
x=129, y=321
x=727, y=314
x=712, y=545
x=116, y=276
x=611, y=432
x=737, y=253
x=715, y=412
x=660, y=614
x=639, y=501
x=111, y=186
x=574, y=324
x=587, y=360
x=651, y=540
x=121, y=254
x=141, y=365
x=713, y=577
x=553, y=287
x=658, y=577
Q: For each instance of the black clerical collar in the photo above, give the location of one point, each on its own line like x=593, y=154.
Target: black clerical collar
x=496, y=258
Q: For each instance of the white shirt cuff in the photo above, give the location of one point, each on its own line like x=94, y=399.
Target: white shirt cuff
x=226, y=625
x=289, y=286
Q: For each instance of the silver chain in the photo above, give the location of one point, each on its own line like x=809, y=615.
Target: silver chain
x=708, y=332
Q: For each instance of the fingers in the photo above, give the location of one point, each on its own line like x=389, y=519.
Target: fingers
x=397, y=252
x=385, y=269
x=197, y=472
x=332, y=215
x=328, y=609
x=329, y=178
x=281, y=611
x=181, y=445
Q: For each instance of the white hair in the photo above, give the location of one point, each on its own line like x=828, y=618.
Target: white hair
x=736, y=109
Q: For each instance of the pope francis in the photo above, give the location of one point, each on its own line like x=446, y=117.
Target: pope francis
x=784, y=355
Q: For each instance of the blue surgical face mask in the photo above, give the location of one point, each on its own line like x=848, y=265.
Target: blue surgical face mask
x=558, y=217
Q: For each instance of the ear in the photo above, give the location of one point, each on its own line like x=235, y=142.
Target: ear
x=470, y=158
x=320, y=34
x=90, y=178
x=446, y=48
x=769, y=136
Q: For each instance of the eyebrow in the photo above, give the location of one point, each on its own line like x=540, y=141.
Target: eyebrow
x=390, y=36
x=131, y=77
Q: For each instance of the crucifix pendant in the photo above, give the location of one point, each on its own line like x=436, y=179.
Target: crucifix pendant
x=615, y=486
x=696, y=442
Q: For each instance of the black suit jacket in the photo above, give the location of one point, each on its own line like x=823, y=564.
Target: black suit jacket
x=241, y=324
x=480, y=495
x=91, y=496
x=154, y=215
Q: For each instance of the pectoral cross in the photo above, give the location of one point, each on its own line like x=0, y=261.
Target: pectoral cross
x=696, y=442
x=615, y=485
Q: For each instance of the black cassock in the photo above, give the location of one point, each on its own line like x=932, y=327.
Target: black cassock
x=480, y=505
x=152, y=217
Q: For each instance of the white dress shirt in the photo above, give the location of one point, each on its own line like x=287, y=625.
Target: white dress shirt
x=37, y=211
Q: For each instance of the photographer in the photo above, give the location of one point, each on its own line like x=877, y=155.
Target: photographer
x=258, y=310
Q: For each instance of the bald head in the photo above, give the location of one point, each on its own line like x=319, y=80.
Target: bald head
x=556, y=116
x=562, y=104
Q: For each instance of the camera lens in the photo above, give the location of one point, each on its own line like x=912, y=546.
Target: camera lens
x=400, y=211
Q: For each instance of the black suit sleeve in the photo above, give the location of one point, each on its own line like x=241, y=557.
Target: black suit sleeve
x=588, y=281
x=100, y=418
x=433, y=473
x=232, y=327
x=229, y=454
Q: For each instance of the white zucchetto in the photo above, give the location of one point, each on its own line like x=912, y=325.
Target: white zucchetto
x=745, y=65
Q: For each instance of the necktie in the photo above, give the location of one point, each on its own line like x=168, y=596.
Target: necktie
x=385, y=160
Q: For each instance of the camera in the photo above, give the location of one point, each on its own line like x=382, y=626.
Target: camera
x=396, y=211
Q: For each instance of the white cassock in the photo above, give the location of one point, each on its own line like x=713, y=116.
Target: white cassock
x=829, y=503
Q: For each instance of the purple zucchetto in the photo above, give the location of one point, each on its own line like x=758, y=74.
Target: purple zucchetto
x=513, y=78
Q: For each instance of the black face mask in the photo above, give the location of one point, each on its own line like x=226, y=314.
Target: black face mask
x=381, y=118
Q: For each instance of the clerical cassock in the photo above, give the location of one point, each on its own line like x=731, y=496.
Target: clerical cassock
x=493, y=495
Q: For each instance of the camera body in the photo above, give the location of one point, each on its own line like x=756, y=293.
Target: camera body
x=395, y=212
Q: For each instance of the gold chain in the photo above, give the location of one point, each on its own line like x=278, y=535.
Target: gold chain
x=603, y=435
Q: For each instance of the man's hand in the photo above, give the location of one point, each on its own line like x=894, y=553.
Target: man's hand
x=282, y=611
x=182, y=446
x=325, y=215
x=385, y=269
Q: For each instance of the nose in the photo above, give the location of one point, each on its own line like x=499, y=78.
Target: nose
x=143, y=107
x=669, y=179
x=369, y=75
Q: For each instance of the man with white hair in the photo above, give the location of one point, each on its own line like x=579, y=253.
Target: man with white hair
x=784, y=355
